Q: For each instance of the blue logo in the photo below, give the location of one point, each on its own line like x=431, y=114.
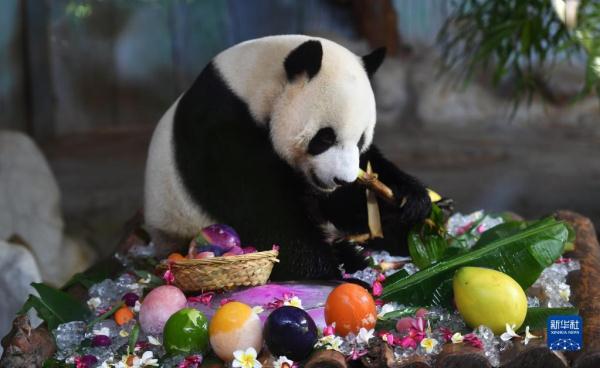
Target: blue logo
x=565, y=333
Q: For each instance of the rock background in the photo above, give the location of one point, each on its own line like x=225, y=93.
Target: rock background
x=30, y=209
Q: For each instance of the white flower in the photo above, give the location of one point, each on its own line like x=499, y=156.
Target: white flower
x=283, y=362
x=137, y=306
x=123, y=333
x=103, y=331
x=428, y=344
x=330, y=342
x=509, y=334
x=457, y=338
x=364, y=336
x=386, y=308
x=565, y=294
x=94, y=303
x=153, y=340
x=258, y=309
x=245, y=359
x=294, y=302
x=146, y=360
x=145, y=280
x=529, y=336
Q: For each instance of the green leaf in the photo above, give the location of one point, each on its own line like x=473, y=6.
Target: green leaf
x=400, y=313
x=154, y=280
x=53, y=363
x=88, y=278
x=537, y=316
x=425, y=249
x=133, y=337
x=107, y=314
x=54, y=306
x=388, y=320
x=426, y=242
x=522, y=255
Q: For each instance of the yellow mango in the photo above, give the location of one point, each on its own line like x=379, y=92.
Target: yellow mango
x=488, y=297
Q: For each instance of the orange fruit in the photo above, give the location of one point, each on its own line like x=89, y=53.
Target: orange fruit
x=350, y=307
x=174, y=257
x=123, y=315
x=233, y=327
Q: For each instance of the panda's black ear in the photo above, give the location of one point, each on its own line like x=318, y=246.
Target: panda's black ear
x=373, y=61
x=305, y=58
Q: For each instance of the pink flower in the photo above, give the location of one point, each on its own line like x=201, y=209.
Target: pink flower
x=380, y=277
x=225, y=301
x=346, y=275
x=277, y=302
x=355, y=354
x=421, y=312
x=481, y=228
x=377, y=288
x=416, y=331
x=379, y=302
x=463, y=229
x=141, y=345
x=473, y=340
x=446, y=333
x=204, y=298
x=168, y=276
x=403, y=325
x=387, y=337
x=85, y=361
x=407, y=342
x=329, y=330
x=562, y=260
x=192, y=361
x=276, y=247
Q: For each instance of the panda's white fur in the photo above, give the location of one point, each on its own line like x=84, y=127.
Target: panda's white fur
x=338, y=96
x=167, y=205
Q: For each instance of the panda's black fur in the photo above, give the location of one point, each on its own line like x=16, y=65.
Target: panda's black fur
x=228, y=165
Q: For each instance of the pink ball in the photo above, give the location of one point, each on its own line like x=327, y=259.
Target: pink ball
x=403, y=324
x=158, y=306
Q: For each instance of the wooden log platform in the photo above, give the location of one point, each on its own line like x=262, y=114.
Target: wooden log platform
x=25, y=346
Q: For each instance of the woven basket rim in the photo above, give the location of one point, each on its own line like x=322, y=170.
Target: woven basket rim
x=223, y=260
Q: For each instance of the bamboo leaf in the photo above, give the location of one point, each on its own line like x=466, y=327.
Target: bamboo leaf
x=522, y=255
x=537, y=316
x=54, y=306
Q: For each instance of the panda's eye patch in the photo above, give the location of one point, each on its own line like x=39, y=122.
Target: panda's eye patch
x=322, y=141
x=361, y=142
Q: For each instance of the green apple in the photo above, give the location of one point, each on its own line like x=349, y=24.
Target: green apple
x=186, y=332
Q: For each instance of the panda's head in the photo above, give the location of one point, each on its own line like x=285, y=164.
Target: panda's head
x=326, y=114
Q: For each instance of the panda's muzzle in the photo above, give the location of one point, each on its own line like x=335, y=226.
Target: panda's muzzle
x=319, y=183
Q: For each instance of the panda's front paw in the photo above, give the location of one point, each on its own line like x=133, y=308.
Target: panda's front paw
x=413, y=204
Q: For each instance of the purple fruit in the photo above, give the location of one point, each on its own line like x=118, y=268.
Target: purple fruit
x=101, y=340
x=217, y=250
x=221, y=235
x=290, y=331
x=130, y=299
x=235, y=251
x=86, y=361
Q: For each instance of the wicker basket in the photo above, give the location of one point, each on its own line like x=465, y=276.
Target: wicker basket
x=201, y=275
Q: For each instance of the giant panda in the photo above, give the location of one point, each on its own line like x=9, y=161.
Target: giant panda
x=269, y=140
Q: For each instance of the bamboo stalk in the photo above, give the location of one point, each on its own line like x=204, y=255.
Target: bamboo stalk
x=373, y=215
x=371, y=181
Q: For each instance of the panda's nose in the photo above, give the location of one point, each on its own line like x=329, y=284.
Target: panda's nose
x=339, y=181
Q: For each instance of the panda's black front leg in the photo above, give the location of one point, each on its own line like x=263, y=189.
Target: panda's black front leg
x=346, y=210
x=413, y=204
